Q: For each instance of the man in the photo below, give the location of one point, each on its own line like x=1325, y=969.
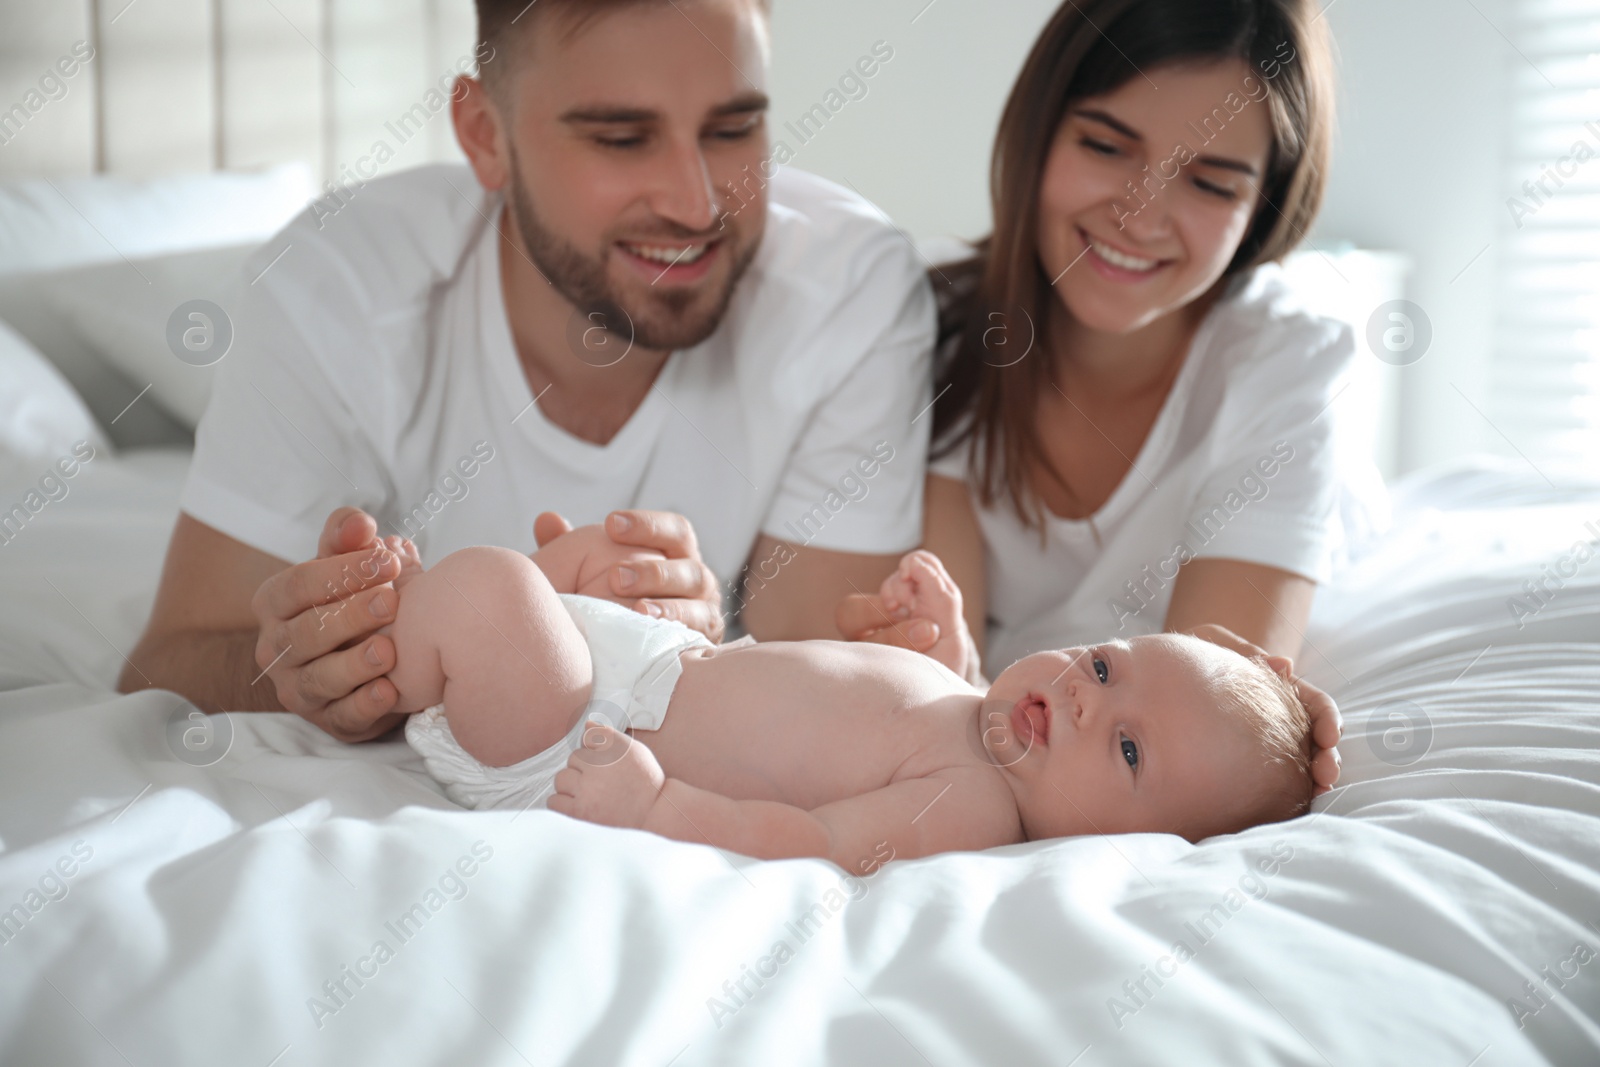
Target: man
x=622, y=304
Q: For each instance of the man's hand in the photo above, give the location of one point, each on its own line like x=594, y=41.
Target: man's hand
x=612, y=780
x=1327, y=725
x=580, y=561
x=316, y=623
x=679, y=586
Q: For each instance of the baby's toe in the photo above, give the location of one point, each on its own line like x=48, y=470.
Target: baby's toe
x=895, y=590
x=927, y=567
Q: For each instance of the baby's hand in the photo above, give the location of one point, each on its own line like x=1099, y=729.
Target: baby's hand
x=612, y=780
x=920, y=588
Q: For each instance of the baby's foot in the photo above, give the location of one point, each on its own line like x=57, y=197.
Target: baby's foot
x=920, y=588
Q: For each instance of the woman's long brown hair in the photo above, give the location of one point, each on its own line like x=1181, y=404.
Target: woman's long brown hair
x=1089, y=48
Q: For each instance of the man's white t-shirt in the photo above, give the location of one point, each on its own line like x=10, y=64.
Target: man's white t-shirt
x=373, y=365
x=1249, y=459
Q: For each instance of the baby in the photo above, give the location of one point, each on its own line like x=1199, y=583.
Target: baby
x=852, y=752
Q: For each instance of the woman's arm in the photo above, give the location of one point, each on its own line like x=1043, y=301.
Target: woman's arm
x=1264, y=605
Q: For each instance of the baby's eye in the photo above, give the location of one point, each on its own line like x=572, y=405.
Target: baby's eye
x=1130, y=752
x=1101, y=670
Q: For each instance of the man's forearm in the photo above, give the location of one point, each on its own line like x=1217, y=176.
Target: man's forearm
x=760, y=828
x=790, y=592
x=215, y=670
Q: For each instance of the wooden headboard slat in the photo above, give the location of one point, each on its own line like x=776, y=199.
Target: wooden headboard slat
x=193, y=85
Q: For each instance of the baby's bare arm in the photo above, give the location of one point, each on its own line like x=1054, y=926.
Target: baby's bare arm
x=959, y=809
x=484, y=632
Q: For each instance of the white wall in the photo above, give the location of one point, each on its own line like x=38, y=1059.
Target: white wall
x=1417, y=170
x=918, y=143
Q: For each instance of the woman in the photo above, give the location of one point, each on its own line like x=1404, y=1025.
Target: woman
x=1133, y=428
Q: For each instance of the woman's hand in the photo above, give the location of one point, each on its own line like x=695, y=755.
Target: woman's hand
x=1327, y=726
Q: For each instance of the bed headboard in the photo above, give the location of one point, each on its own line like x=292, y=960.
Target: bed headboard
x=195, y=85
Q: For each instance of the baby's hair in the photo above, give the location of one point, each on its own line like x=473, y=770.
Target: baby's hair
x=1268, y=706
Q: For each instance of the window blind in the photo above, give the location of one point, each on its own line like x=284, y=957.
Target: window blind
x=1546, y=369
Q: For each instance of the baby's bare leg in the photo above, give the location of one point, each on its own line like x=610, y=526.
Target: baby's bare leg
x=484, y=632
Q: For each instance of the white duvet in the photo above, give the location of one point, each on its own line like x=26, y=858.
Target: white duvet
x=300, y=901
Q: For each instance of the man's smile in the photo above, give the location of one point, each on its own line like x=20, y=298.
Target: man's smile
x=676, y=264
x=668, y=254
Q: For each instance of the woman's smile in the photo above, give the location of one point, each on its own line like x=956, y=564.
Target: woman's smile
x=1117, y=264
x=1156, y=237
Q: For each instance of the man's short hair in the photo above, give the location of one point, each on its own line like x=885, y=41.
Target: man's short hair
x=500, y=20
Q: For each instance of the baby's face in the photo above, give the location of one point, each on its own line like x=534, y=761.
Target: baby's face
x=1122, y=737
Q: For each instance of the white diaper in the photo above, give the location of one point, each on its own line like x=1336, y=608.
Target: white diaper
x=636, y=668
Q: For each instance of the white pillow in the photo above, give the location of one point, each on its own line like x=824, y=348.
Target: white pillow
x=56, y=223
x=126, y=314
x=41, y=418
x=42, y=233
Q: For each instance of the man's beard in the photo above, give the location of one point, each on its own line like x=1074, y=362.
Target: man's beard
x=668, y=322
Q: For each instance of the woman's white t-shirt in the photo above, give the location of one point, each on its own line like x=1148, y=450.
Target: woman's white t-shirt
x=1248, y=460
x=373, y=365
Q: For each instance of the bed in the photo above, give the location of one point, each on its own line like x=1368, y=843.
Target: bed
x=258, y=893
x=245, y=890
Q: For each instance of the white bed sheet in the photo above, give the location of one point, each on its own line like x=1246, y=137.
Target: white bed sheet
x=208, y=906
